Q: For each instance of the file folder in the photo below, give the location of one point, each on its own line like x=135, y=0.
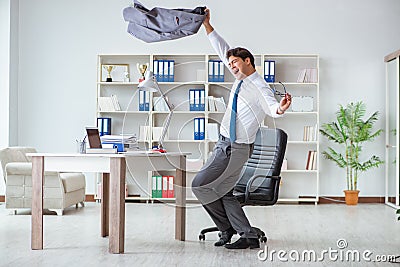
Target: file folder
x=171, y=193
x=104, y=126
x=164, y=193
x=221, y=72
x=159, y=186
x=196, y=129
x=154, y=186
x=141, y=100
x=191, y=100
x=269, y=71
x=196, y=100
x=202, y=106
x=171, y=77
x=201, y=129
x=155, y=70
x=210, y=71
x=146, y=101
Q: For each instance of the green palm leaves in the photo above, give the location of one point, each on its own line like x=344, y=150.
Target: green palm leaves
x=351, y=131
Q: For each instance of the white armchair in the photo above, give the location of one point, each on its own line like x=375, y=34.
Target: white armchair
x=61, y=190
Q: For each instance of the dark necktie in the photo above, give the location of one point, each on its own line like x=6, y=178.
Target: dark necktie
x=232, y=128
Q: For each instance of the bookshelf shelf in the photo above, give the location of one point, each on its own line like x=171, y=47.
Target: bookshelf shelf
x=191, y=72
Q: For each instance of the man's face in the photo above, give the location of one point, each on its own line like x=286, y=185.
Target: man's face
x=239, y=67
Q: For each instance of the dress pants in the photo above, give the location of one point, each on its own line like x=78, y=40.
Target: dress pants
x=214, y=184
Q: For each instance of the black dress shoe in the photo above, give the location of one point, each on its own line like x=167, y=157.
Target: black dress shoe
x=225, y=238
x=243, y=243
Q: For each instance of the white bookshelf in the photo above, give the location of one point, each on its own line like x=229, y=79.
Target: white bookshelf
x=298, y=184
x=190, y=72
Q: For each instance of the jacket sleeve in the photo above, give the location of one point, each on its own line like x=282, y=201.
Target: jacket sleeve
x=220, y=46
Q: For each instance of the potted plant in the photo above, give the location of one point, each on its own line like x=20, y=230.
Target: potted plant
x=351, y=131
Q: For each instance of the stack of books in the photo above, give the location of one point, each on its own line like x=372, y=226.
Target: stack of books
x=311, y=160
x=308, y=76
x=109, y=103
x=310, y=133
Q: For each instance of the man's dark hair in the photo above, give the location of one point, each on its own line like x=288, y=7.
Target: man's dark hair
x=241, y=52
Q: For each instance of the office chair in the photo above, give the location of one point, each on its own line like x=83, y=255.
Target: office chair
x=260, y=177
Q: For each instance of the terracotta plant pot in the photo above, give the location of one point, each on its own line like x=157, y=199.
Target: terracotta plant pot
x=351, y=196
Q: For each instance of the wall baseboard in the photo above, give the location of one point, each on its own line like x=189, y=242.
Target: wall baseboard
x=88, y=198
x=322, y=199
x=340, y=200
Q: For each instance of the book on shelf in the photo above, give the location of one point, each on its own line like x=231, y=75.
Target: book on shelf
x=109, y=103
x=310, y=133
x=309, y=75
x=311, y=160
x=220, y=105
x=144, y=133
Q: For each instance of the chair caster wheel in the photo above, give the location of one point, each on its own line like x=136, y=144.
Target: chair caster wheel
x=263, y=239
x=202, y=237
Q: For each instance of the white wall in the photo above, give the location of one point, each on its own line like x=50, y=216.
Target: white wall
x=4, y=77
x=59, y=41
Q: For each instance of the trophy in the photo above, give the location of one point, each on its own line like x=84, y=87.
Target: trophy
x=109, y=69
x=142, y=70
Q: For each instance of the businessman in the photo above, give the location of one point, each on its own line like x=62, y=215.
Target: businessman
x=250, y=101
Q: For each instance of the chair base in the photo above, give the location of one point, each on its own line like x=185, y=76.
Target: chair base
x=260, y=234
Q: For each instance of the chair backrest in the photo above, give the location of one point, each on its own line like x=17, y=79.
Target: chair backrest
x=264, y=163
x=14, y=154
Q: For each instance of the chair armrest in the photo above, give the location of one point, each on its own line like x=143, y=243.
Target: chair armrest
x=19, y=168
x=251, y=181
x=22, y=168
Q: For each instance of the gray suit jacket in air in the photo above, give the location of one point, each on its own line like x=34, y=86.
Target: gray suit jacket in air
x=160, y=24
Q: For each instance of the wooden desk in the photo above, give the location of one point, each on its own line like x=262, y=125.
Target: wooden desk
x=113, y=167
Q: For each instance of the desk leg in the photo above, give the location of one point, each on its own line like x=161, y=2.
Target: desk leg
x=105, y=202
x=37, y=202
x=180, y=200
x=117, y=205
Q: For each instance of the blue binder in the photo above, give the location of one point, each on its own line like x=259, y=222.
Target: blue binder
x=269, y=71
x=104, y=126
x=196, y=129
x=202, y=106
x=191, y=100
x=201, y=128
